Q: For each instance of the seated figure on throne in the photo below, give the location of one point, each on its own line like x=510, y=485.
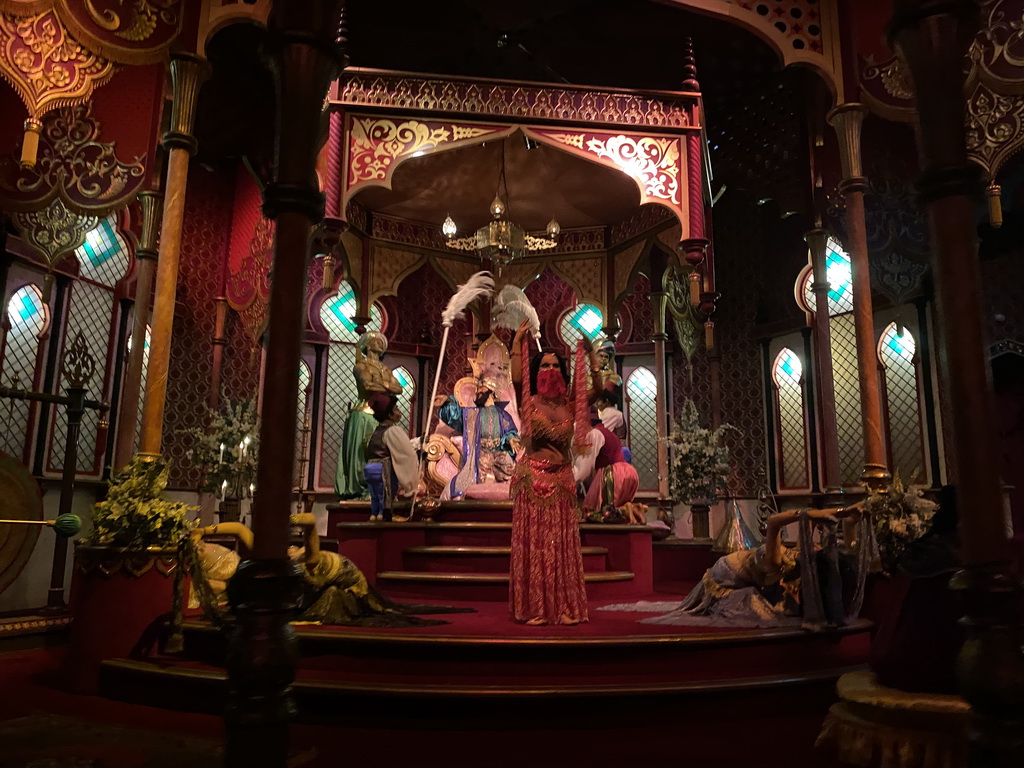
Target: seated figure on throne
x=474, y=450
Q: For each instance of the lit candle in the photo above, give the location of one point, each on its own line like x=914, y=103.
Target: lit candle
x=224, y=489
x=221, y=459
x=241, y=450
x=252, y=489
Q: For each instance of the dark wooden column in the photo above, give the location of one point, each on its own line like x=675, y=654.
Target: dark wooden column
x=933, y=37
x=305, y=55
x=817, y=242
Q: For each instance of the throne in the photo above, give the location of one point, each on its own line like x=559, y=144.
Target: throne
x=444, y=449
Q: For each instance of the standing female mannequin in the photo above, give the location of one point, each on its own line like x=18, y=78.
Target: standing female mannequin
x=546, y=580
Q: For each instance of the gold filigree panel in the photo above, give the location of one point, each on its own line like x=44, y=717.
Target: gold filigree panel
x=54, y=231
x=45, y=65
x=387, y=268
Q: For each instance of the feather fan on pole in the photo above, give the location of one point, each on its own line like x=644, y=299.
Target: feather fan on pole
x=512, y=307
x=478, y=286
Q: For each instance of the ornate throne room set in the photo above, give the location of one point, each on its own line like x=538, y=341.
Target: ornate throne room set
x=565, y=382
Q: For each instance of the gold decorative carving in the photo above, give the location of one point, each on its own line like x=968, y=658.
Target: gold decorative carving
x=45, y=65
x=894, y=77
x=375, y=143
x=670, y=237
x=437, y=447
x=456, y=272
x=134, y=562
x=53, y=231
x=78, y=365
x=518, y=273
x=677, y=294
x=72, y=164
x=387, y=268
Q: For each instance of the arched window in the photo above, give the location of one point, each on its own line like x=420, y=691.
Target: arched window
x=642, y=418
x=103, y=260
x=790, y=417
x=26, y=321
x=845, y=372
x=405, y=400
x=142, y=388
x=336, y=314
x=896, y=352
x=582, y=320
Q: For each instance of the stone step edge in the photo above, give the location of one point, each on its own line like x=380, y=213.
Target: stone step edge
x=486, y=551
x=489, y=578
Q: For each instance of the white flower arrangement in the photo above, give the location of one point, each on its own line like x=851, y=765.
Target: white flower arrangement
x=228, y=450
x=899, y=517
x=700, y=458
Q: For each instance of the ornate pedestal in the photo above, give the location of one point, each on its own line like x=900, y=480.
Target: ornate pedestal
x=119, y=602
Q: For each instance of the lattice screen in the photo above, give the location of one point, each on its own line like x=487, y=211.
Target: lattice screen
x=27, y=317
x=896, y=353
x=301, y=435
x=91, y=310
x=583, y=320
x=642, y=418
x=845, y=373
x=787, y=374
x=341, y=395
x=405, y=399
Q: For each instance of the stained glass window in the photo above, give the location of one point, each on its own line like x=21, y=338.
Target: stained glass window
x=336, y=313
x=27, y=319
x=787, y=373
x=582, y=320
x=845, y=371
x=896, y=350
x=642, y=417
x=405, y=399
x=103, y=257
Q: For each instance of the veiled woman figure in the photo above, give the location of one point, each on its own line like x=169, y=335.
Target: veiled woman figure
x=372, y=377
x=546, y=584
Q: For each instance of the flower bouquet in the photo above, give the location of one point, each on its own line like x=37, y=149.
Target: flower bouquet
x=227, y=450
x=700, y=459
x=899, y=517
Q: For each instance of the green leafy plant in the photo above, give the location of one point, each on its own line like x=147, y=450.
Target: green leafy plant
x=899, y=516
x=227, y=450
x=133, y=515
x=700, y=458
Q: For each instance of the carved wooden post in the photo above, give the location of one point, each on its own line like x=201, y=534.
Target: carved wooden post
x=847, y=120
x=265, y=592
x=145, y=254
x=658, y=299
x=817, y=240
x=187, y=74
x=933, y=37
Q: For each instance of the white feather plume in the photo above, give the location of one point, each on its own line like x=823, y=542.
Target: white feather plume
x=479, y=285
x=512, y=307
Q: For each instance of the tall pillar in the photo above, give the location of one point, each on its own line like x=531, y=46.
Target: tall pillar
x=219, y=342
x=304, y=54
x=847, y=120
x=932, y=37
x=817, y=241
x=187, y=74
x=145, y=254
x=658, y=302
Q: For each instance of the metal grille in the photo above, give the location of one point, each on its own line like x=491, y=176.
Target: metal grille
x=846, y=378
x=406, y=398
x=103, y=256
x=90, y=313
x=26, y=315
x=787, y=373
x=583, y=320
x=337, y=311
x=642, y=418
x=896, y=353
x=301, y=434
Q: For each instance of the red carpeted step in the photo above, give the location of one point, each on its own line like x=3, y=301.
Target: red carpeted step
x=481, y=559
x=485, y=586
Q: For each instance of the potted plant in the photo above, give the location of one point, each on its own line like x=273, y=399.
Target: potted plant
x=700, y=466
x=125, y=568
x=227, y=452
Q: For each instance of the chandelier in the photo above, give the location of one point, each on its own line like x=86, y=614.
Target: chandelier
x=501, y=240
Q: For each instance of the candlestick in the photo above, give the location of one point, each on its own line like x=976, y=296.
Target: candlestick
x=221, y=459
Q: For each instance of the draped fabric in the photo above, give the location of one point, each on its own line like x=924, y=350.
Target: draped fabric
x=349, y=480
